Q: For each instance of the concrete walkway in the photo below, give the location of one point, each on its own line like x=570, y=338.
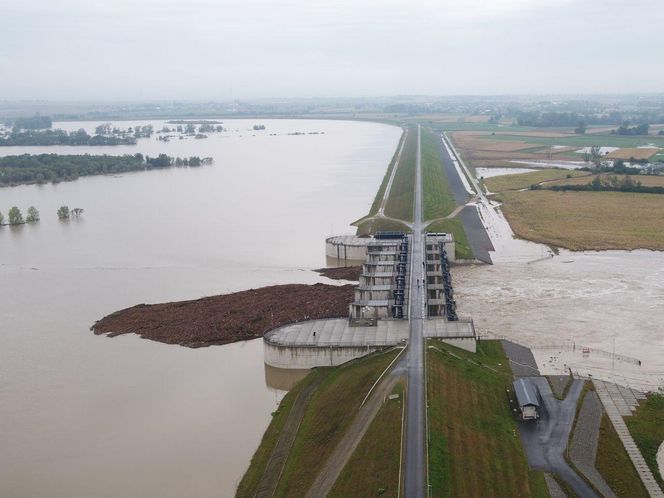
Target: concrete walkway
x=611, y=395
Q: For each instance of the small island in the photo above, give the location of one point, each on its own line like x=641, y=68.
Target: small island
x=43, y=168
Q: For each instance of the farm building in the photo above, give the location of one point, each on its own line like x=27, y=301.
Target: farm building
x=528, y=399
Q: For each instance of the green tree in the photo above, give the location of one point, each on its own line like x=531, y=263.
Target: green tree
x=33, y=215
x=63, y=212
x=15, y=216
x=2, y=218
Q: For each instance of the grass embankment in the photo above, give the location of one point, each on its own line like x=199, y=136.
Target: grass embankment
x=524, y=180
x=386, y=179
x=455, y=227
x=249, y=483
x=437, y=198
x=474, y=447
x=400, y=202
x=587, y=220
x=374, y=467
x=646, y=426
x=614, y=463
x=372, y=226
x=328, y=416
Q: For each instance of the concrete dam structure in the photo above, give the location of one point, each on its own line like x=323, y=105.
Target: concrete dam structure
x=378, y=315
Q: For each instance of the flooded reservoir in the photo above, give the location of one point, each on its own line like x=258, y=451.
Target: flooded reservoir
x=85, y=415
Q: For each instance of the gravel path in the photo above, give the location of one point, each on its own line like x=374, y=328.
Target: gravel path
x=583, y=446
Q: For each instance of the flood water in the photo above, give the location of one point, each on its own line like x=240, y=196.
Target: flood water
x=83, y=415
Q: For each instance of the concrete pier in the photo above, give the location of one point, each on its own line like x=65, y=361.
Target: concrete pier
x=316, y=343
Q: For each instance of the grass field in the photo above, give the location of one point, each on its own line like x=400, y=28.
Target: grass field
x=373, y=469
x=647, y=429
x=474, y=447
x=614, y=463
x=587, y=220
x=400, y=202
x=250, y=480
x=327, y=418
x=455, y=227
x=437, y=198
x=381, y=191
x=377, y=224
x=524, y=180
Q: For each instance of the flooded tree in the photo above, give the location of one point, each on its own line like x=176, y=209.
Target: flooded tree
x=2, y=218
x=76, y=212
x=33, y=215
x=63, y=212
x=15, y=216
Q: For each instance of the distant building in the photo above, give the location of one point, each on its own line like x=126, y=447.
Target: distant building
x=528, y=398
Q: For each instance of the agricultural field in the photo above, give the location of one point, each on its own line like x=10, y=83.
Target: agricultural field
x=524, y=180
x=587, y=220
x=374, y=467
x=621, y=141
x=474, y=449
x=632, y=153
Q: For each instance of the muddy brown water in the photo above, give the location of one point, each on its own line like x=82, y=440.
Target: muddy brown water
x=83, y=415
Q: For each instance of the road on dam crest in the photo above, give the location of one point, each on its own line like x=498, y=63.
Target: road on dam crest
x=415, y=448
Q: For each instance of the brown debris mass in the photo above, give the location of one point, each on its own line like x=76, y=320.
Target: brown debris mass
x=230, y=317
x=341, y=272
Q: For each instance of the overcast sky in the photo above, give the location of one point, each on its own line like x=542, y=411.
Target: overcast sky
x=221, y=49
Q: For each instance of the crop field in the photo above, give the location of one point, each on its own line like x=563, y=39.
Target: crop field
x=474, y=449
x=437, y=198
x=400, y=202
x=635, y=153
x=587, y=220
x=524, y=180
x=622, y=141
x=374, y=467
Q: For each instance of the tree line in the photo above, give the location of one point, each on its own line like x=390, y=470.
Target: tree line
x=611, y=183
x=30, y=123
x=62, y=137
x=44, y=168
x=15, y=216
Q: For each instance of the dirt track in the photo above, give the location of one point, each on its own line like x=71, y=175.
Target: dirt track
x=230, y=317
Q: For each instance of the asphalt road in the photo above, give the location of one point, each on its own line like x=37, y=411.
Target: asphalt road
x=415, y=448
x=545, y=440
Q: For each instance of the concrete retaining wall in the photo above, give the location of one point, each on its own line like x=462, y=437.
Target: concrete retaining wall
x=295, y=357
x=345, y=251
